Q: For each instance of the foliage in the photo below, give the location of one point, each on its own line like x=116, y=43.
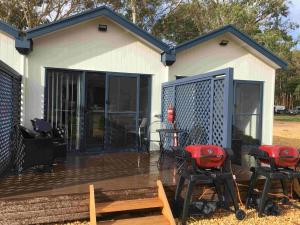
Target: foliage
x=266, y=21
x=25, y=14
x=31, y=13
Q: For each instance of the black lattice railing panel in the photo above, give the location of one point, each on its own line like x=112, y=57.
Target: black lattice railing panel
x=6, y=120
x=202, y=113
x=202, y=106
x=218, y=112
x=10, y=100
x=193, y=111
x=168, y=100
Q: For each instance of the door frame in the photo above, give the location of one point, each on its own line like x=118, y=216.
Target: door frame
x=261, y=89
x=83, y=75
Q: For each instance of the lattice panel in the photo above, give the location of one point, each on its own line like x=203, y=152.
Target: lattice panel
x=218, y=113
x=167, y=100
x=193, y=111
x=6, y=119
x=200, y=108
x=203, y=112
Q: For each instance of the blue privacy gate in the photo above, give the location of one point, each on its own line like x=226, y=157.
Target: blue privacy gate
x=203, y=106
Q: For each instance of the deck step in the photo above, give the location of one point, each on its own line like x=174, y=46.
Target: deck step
x=128, y=205
x=147, y=220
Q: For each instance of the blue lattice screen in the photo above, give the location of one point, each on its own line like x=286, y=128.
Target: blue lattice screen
x=10, y=97
x=203, y=105
x=6, y=119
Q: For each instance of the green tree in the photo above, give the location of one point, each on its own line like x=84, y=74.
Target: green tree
x=287, y=89
x=266, y=21
x=31, y=13
x=25, y=14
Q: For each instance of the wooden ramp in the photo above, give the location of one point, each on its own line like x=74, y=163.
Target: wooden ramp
x=165, y=216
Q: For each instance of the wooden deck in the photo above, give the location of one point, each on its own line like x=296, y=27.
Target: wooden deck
x=64, y=193
x=115, y=171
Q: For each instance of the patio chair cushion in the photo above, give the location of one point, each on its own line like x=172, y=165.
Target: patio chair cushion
x=26, y=133
x=42, y=126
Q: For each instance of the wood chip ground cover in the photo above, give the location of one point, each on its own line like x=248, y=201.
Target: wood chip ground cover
x=289, y=216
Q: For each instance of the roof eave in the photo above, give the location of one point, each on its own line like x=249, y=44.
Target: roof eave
x=9, y=29
x=91, y=14
x=242, y=36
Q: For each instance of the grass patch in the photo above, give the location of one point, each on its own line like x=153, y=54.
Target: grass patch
x=287, y=118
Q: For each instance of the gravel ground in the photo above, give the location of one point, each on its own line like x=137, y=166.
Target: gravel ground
x=289, y=216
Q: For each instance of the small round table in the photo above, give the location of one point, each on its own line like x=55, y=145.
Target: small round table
x=168, y=135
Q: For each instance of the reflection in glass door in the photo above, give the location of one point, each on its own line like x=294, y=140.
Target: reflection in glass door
x=62, y=104
x=248, y=112
x=122, y=108
x=95, y=111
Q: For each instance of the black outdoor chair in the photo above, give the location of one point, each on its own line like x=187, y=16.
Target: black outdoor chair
x=140, y=134
x=57, y=136
x=193, y=137
x=32, y=150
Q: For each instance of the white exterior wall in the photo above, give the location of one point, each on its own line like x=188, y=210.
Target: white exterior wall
x=210, y=56
x=83, y=47
x=9, y=54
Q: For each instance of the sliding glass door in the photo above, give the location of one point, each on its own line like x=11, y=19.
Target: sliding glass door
x=100, y=111
x=122, y=117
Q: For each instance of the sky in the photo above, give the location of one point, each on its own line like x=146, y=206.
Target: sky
x=295, y=17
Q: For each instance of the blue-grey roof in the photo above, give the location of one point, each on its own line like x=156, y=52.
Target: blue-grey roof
x=242, y=36
x=9, y=29
x=93, y=13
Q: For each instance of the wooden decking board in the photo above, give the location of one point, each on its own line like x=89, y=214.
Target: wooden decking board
x=166, y=211
x=127, y=205
x=148, y=220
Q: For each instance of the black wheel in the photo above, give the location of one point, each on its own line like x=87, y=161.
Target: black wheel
x=240, y=214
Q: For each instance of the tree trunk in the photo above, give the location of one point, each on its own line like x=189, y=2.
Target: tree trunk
x=133, y=9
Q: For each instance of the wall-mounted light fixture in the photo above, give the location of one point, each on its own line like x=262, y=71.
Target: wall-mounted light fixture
x=102, y=27
x=224, y=43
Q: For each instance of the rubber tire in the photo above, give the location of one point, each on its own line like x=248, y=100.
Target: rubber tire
x=240, y=214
